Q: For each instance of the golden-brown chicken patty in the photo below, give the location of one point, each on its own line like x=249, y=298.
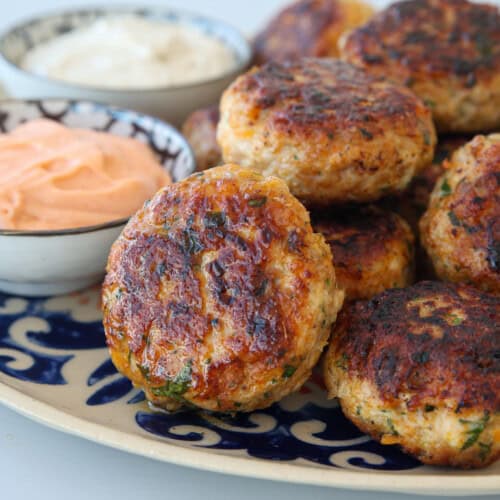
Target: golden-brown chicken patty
x=331, y=131
x=372, y=249
x=447, y=51
x=309, y=28
x=461, y=228
x=200, y=129
x=420, y=367
x=218, y=294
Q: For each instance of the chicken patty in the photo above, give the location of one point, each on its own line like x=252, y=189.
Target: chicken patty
x=200, y=129
x=218, y=294
x=461, y=228
x=309, y=28
x=332, y=132
x=447, y=51
x=372, y=249
x=420, y=367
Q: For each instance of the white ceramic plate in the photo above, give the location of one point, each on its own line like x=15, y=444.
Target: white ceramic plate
x=54, y=368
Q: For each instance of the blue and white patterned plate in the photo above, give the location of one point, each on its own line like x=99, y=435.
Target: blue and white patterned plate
x=54, y=367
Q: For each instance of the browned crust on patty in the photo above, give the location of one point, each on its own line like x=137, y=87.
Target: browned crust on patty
x=308, y=28
x=443, y=50
x=195, y=284
x=372, y=248
x=431, y=342
x=432, y=38
x=465, y=213
x=296, y=31
x=334, y=133
x=326, y=98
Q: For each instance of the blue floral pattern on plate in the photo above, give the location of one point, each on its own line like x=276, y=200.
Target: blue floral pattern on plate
x=54, y=337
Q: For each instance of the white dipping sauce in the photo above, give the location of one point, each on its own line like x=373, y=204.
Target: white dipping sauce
x=130, y=52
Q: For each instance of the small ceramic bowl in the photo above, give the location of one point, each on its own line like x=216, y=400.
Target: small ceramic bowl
x=37, y=263
x=171, y=103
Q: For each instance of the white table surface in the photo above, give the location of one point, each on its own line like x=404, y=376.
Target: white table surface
x=38, y=462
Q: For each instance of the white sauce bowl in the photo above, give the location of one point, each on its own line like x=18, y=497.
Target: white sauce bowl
x=38, y=263
x=172, y=103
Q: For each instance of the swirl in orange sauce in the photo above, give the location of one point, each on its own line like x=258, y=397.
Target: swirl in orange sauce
x=54, y=177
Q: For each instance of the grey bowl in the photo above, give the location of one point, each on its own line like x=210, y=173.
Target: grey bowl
x=52, y=262
x=171, y=103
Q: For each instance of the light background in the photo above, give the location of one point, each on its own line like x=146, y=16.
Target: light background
x=39, y=463
x=245, y=14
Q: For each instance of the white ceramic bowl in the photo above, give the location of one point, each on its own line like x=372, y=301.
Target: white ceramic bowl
x=37, y=263
x=171, y=103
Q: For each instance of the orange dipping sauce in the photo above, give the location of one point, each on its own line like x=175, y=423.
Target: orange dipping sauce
x=54, y=177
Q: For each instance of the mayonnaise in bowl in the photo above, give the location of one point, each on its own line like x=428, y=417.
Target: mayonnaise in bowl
x=125, y=52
